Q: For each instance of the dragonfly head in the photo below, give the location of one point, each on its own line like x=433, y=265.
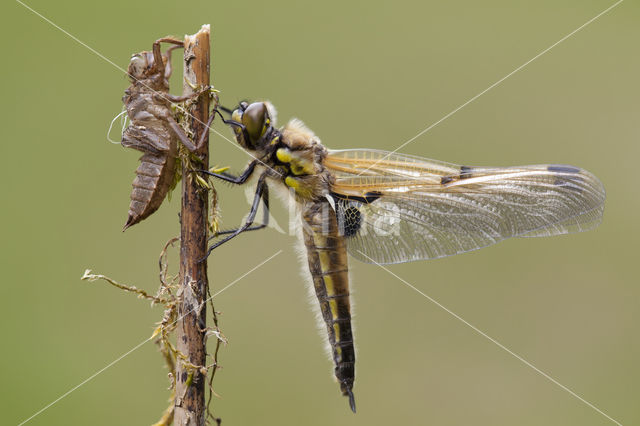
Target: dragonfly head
x=141, y=66
x=254, y=124
x=143, y=70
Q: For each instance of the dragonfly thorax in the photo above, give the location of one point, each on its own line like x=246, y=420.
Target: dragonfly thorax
x=292, y=153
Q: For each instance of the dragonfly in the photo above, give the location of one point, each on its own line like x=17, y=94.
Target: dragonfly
x=385, y=207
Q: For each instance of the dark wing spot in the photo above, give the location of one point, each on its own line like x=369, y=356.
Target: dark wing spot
x=371, y=196
x=563, y=169
x=466, y=172
x=349, y=217
x=568, y=177
x=352, y=221
x=445, y=179
x=368, y=198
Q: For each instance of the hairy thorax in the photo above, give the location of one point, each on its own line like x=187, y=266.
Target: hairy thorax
x=298, y=158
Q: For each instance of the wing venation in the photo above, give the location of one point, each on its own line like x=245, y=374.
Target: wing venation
x=425, y=209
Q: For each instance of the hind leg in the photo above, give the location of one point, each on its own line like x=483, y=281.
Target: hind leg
x=179, y=132
x=265, y=218
x=261, y=189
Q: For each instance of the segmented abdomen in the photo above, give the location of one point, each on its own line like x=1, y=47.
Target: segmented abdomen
x=154, y=177
x=327, y=257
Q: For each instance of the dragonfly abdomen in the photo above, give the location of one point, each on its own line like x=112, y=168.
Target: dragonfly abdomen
x=154, y=177
x=327, y=256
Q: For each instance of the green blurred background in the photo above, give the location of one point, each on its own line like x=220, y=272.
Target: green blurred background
x=360, y=74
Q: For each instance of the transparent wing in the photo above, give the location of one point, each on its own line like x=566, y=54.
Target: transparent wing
x=395, y=208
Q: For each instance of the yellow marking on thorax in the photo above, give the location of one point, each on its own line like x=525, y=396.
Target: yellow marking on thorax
x=299, y=186
x=297, y=164
x=284, y=155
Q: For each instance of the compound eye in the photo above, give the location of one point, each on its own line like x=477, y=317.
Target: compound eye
x=255, y=118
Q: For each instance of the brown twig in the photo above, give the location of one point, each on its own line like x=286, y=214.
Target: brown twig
x=190, y=406
x=89, y=276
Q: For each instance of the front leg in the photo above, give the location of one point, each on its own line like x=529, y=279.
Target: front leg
x=157, y=52
x=233, y=124
x=236, y=180
x=239, y=180
x=260, y=190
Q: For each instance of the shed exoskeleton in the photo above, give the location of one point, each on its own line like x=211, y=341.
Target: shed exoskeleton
x=154, y=130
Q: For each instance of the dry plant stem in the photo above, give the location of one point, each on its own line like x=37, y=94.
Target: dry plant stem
x=190, y=406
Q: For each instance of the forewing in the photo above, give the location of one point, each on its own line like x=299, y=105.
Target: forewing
x=396, y=208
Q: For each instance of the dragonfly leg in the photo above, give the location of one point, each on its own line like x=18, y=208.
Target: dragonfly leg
x=236, y=180
x=177, y=99
x=179, y=132
x=157, y=52
x=260, y=190
x=265, y=217
x=230, y=110
x=233, y=123
x=225, y=109
x=167, y=69
x=169, y=40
